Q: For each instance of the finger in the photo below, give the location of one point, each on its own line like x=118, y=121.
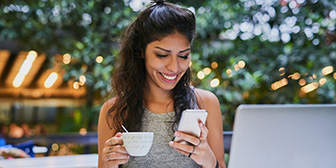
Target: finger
x=117, y=148
x=183, y=147
x=191, y=155
x=115, y=156
x=189, y=138
x=115, y=162
x=204, y=131
x=116, y=140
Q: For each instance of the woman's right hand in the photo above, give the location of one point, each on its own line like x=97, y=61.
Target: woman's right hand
x=114, y=153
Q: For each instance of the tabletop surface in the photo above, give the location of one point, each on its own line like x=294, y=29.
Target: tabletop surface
x=71, y=161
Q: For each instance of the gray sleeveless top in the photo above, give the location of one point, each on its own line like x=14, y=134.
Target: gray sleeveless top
x=160, y=154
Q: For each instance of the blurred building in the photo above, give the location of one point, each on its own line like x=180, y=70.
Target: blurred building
x=32, y=89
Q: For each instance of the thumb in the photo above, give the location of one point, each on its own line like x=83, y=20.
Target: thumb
x=204, y=130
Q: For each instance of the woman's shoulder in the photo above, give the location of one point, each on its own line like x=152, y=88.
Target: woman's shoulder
x=205, y=94
x=107, y=105
x=104, y=116
x=205, y=98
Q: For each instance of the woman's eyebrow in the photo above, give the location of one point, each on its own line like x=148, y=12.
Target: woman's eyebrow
x=162, y=49
x=170, y=51
x=185, y=50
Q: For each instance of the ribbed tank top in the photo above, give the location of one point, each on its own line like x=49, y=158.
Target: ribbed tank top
x=160, y=154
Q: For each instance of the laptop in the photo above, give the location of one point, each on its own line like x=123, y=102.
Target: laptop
x=284, y=136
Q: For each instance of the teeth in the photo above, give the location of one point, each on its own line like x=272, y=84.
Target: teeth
x=169, y=77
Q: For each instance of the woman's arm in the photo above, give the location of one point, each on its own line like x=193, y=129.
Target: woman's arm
x=111, y=153
x=208, y=101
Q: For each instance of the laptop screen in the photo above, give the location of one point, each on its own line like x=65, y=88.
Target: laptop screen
x=284, y=136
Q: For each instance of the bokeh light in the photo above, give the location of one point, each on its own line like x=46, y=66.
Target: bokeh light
x=66, y=58
x=214, y=82
x=99, y=59
x=200, y=75
x=214, y=65
x=207, y=71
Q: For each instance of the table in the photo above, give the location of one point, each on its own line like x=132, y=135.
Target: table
x=71, y=161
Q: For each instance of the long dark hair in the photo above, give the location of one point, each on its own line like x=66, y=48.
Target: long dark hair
x=154, y=23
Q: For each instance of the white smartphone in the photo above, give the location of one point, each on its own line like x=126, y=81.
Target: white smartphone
x=189, y=122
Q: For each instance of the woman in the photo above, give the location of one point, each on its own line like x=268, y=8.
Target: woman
x=151, y=84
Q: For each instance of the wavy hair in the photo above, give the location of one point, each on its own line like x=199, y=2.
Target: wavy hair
x=128, y=82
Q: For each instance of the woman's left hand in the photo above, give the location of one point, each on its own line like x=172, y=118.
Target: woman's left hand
x=199, y=150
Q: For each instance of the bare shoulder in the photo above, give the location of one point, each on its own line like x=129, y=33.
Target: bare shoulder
x=205, y=98
x=205, y=93
x=103, y=125
x=107, y=105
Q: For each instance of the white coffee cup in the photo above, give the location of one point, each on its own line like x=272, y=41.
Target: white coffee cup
x=138, y=143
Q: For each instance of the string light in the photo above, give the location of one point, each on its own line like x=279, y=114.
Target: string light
x=327, y=70
x=282, y=71
x=322, y=81
x=50, y=81
x=310, y=87
x=25, y=68
x=278, y=84
x=284, y=81
x=302, y=82
x=295, y=76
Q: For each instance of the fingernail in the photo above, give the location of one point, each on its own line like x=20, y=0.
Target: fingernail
x=171, y=143
x=177, y=134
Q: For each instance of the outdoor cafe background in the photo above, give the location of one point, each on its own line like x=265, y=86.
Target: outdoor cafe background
x=57, y=58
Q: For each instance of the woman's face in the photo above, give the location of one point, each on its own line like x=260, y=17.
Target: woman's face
x=166, y=61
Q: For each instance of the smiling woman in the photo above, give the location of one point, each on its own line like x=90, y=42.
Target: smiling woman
x=166, y=61
x=151, y=87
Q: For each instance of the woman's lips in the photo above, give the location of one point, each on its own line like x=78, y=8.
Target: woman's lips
x=168, y=78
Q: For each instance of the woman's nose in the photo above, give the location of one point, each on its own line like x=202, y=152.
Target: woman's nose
x=173, y=65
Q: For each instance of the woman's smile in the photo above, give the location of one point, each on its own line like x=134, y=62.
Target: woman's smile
x=168, y=78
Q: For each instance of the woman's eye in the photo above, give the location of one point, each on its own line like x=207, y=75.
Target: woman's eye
x=184, y=56
x=161, y=56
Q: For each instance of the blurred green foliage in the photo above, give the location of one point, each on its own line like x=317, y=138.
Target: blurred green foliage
x=255, y=43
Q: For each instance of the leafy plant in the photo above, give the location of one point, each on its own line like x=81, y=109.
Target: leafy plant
x=246, y=51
